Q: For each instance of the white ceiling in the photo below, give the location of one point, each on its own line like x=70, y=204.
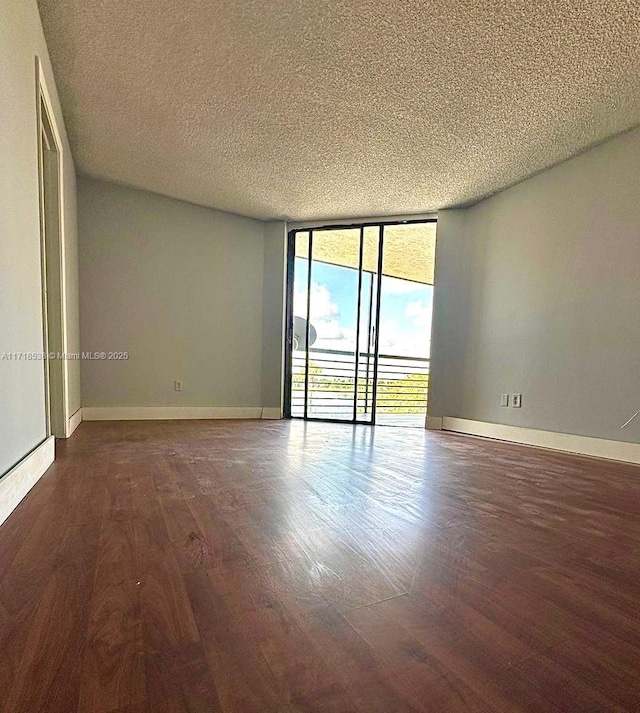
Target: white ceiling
x=339, y=108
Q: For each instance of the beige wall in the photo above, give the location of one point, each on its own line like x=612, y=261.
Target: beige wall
x=538, y=291
x=22, y=400
x=177, y=286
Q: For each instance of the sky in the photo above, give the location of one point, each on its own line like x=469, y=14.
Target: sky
x=405, y=312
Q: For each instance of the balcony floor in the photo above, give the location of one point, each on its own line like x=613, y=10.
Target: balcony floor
x=408, y=420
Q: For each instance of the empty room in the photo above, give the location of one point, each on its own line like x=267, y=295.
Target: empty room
x=319, y=356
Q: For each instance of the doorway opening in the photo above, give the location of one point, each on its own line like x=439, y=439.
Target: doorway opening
x=51, y=265
x=359, y=308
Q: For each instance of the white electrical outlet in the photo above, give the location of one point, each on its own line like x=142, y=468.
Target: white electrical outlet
x=504, y=400
x=517, y=401
x=177, y=386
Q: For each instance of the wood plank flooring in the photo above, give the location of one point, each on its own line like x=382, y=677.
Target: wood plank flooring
x=283, y=567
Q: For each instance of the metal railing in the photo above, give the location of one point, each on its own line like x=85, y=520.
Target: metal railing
x=401, y=388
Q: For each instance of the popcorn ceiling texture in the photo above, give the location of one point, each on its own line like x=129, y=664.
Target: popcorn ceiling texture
x=325, y=109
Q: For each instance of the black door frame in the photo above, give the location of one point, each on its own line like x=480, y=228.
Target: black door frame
x=291, y=257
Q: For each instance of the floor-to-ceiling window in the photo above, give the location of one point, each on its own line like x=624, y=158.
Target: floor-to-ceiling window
x=360, y=303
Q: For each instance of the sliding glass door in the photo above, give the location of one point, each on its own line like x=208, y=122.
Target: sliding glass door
x=337, y=279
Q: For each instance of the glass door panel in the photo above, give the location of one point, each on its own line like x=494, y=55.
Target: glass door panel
x=406, y=301
x=367, y=323
x=298, y=341
x=325, y=319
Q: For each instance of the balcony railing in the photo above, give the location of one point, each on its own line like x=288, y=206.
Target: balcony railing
x=402, y=386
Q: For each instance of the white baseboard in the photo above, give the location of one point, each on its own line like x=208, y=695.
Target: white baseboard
x=582, y=445
x=434, y=423
x=269, y=412
x=167, y=413
x=74, y=422
x=23, y=476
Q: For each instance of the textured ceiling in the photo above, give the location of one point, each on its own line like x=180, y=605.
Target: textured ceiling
x=342, y=108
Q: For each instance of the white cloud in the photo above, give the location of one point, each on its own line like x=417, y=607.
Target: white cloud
x=419, y=313
x=322, y=306
x=325, y=317
x=396, y=286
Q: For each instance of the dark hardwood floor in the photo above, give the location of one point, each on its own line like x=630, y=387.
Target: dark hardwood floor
x=281, y=567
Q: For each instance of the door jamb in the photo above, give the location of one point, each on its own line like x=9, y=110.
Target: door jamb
x=44, y=113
